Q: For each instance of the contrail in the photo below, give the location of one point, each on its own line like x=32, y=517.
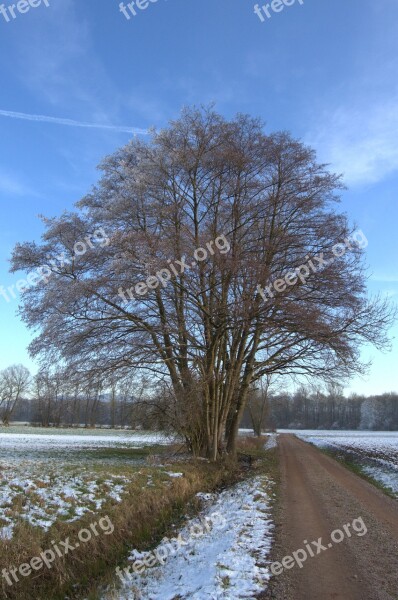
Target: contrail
x=71, y=122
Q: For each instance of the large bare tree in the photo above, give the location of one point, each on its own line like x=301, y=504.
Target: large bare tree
x=206, y=326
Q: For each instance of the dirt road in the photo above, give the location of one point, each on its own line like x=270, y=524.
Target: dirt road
x=319, y=496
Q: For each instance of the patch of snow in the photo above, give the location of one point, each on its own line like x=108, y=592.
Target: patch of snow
x=384, y=476
x=272, y=441
x=6, y=533
x=228, y=562
x=56, y=494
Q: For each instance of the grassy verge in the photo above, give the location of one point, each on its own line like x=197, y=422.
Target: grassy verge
x=266, y=461
x=271, y=465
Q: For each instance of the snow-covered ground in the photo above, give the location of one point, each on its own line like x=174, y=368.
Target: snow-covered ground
x=48, y=475
x=42, y=495
x=227, y=561
x=26, y=443
x=37, y=438
x=375, y=451
x=272, y=441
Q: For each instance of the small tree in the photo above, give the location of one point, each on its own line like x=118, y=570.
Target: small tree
x=14, y=383
x=258, y=404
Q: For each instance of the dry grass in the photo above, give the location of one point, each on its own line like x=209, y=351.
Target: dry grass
x=252, y=446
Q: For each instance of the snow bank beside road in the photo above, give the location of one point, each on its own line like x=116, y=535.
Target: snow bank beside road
x=272, y=441
x=228, y=562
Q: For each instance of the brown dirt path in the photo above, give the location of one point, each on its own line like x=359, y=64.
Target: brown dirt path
x=318, y=496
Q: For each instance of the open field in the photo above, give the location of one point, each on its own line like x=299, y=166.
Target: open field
x=374, y=452
x=58, y=475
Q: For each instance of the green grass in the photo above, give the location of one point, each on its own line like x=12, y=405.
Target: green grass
x=121, y=453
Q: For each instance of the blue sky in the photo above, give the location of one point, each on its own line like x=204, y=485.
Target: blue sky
x=325, y=70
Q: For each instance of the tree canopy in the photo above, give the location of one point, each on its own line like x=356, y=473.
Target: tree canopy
x=196, y=219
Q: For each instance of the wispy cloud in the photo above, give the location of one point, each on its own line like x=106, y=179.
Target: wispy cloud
x=385, y=278
x=57, y=61
x=359, y=141
x=13, y=186
x=71, y=122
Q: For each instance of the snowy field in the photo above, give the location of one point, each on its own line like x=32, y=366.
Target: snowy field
x=48, y=445
x=229, y=560
x=48, y=475
x=376, y=452
x=21, y=439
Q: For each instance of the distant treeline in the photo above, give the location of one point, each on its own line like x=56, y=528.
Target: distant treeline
x=86, y=411
x=68, y=413
x=55, y=397
x=305, y=410
x=285, y=411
